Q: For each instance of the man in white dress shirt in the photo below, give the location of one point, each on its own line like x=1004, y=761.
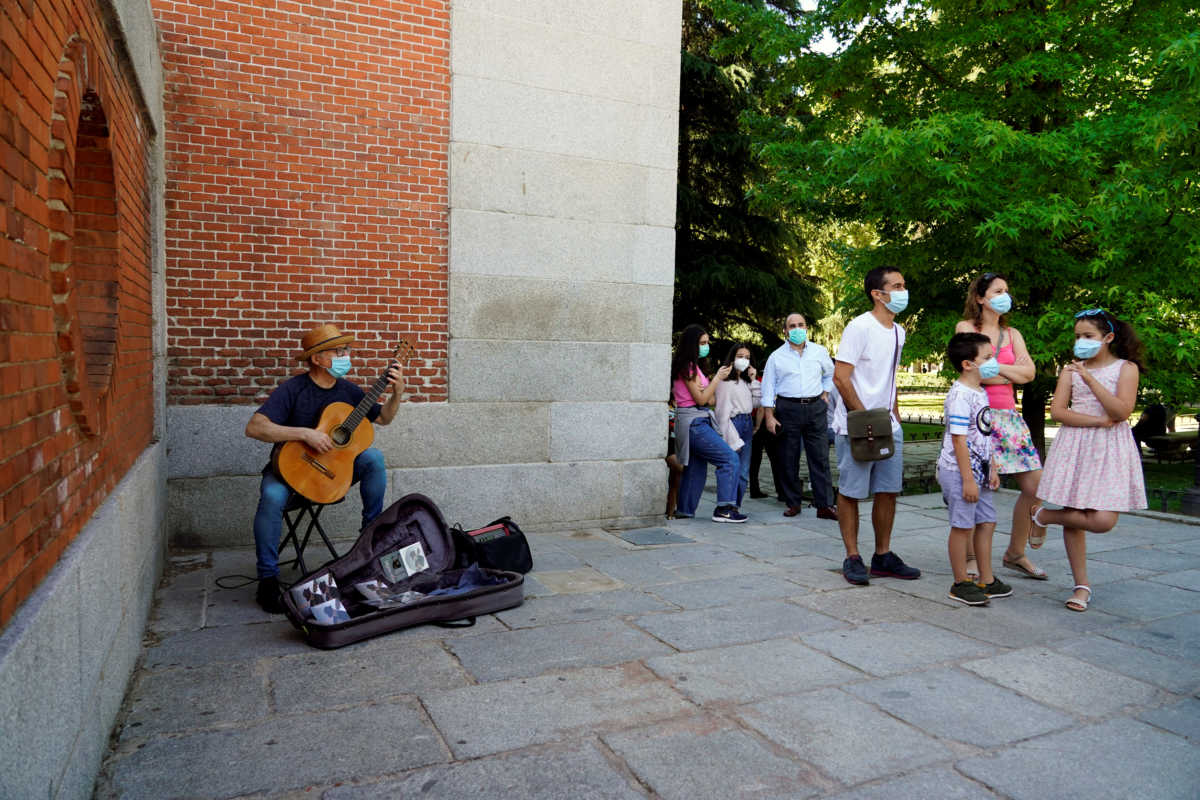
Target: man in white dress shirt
x=795, y=396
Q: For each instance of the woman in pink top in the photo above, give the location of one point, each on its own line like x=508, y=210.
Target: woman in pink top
x=697, y=442
x=988, y=303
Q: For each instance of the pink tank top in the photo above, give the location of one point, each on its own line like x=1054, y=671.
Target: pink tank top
x=683, y=397
x=1000, y=396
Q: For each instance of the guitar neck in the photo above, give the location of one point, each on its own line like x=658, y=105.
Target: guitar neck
x=369, y=399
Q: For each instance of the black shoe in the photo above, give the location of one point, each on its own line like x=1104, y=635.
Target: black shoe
x=757, y=494
x=268, y=596
x=855, y=571
x=889, y=565
x=728, y=514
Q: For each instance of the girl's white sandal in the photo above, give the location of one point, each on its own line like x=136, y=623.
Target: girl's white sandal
x=1037, y=531
x=1075, y=604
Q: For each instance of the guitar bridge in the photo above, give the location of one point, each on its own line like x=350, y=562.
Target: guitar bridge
x=318, y=466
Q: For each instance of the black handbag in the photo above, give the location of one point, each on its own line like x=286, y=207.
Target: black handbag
x=498, y=545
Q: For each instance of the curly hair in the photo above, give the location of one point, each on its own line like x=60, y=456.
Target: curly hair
x=973, y=311
x=1125, y=343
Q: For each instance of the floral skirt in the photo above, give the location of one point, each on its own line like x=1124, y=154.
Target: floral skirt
x=1012, y=443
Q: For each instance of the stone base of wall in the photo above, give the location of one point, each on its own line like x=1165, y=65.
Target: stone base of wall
x=67, y=655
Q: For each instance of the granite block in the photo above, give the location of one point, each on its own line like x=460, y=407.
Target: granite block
x=746, y=622
x=889, y=648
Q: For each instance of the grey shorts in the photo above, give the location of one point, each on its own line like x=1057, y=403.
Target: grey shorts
x=964, y=514
x=863, y=479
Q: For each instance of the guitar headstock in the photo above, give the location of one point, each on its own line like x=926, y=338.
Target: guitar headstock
x=404, y=351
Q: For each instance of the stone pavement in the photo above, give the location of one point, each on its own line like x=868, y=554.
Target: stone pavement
x=737, y=665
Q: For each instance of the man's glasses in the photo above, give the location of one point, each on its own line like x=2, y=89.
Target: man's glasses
x=1096, y=312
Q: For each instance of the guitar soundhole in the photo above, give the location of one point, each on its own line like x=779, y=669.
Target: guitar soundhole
x=340, y=436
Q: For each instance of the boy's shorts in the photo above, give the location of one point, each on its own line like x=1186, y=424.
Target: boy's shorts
x=863, y=479
x=964, y=514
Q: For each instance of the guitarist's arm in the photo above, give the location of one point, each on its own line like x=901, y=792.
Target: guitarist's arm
x=396, y=383
x=260, y=427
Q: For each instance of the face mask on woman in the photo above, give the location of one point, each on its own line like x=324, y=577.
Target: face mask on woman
x=740, y=364
x=1001, y=303
x=704, y=351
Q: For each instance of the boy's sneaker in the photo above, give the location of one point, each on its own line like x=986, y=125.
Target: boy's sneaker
x=728, y=514
x=968, y=592
x=997, y=588
x=855, y=571
x=889, y=565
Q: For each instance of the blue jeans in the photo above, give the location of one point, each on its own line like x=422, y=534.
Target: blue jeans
x=744, y=425
x=369, y=473
x=705, y=446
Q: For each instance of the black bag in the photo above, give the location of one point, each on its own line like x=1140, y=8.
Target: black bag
x=499, y=545
x=404, y=570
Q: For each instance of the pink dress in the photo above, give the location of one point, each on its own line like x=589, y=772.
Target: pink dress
x=1097, y=468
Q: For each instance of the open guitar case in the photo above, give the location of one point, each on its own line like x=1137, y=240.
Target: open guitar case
x=406, y=549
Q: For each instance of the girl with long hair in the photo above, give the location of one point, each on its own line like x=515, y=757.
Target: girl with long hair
x=737, y=397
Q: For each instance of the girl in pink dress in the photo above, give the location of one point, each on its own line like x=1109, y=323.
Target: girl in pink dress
x=1094, y=469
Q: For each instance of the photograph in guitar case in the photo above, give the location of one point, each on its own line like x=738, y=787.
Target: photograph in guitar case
x=321, y=427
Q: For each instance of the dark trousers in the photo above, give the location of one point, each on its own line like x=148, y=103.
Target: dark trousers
x=765, y=440
x=804, y=428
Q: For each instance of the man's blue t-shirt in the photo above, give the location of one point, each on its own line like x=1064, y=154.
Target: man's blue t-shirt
x=299, y=401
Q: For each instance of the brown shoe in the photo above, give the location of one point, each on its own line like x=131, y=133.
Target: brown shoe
x=793, y=511
x=828, y=512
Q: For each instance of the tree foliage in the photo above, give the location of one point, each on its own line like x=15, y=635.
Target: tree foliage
x=1052, y=142
x=735, y=265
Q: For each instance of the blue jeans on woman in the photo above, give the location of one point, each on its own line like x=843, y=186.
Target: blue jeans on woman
x=744, y=425
x=706, y=446
x=369, y=473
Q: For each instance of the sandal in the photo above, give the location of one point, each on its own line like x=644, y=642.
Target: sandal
x=1037, y=531
x=1075, y=604
x=1031, y=571
x=972, y=568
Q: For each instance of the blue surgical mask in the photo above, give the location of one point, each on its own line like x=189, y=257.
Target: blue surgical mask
x=899, y=301
x=1087, y=348
x=704, y=351
x=340, y=366
x=798, y=336
x=1001, y=303
x=989, y=368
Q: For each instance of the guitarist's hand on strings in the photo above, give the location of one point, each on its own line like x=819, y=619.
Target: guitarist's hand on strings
x=317, y=440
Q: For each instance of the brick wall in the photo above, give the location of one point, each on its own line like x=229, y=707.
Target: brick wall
x=306, y=150
x=76, y=394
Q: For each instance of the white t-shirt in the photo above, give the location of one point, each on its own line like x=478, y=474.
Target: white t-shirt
x=967, y=414
x=872, y=349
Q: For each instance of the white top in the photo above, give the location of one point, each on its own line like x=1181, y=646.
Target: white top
x=968, y=414
x=791, y=374
x=733, y=398
x=872, y=350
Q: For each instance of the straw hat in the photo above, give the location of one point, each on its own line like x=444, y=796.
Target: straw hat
x=323, y=337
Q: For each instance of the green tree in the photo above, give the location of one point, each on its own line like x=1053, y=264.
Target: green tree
x=735, y=265
x=1052, y=142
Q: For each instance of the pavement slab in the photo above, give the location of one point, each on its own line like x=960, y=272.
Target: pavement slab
x=182, y=699
x=1093, y=763
x=889, y=648
x=1177, y=676
x=730, y=591
x=869, y=605
x=536, y=774
x=282, y=753
x=951, y=704
x=578, y=607
x=745, y=622
x=549, y=708
x=1064, y=682
x=1176, y=636
x=818, y=727
x=533, y=651
x=1182, y=718
x=703, y=757
x=930, y=782
x=744, y=673
x=1144, y=600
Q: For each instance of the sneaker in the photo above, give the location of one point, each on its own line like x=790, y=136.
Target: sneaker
x=268, y=595
x=889, y=565
x=855, y=571
x=968, y=592
x=728, y=514
x=997, y=588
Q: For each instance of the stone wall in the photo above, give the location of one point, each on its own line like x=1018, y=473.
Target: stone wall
x=562, y=159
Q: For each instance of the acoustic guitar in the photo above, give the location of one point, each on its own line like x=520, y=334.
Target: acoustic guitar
x=325, y=477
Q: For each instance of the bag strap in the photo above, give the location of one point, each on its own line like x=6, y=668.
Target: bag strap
x=895, y=368
x=461, y=623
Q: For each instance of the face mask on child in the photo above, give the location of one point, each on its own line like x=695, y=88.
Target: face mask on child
x=989, y=368
x=740, y=364
x=1087, y=348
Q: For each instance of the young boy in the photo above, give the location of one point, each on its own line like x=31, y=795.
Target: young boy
x=966, y=470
